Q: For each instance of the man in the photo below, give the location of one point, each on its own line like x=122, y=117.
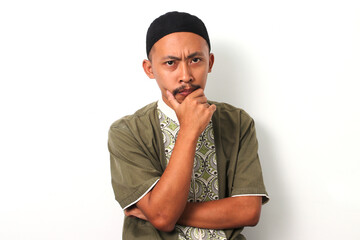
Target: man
x=185, y=167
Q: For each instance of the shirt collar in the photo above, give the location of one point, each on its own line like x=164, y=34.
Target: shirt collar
x=168, y=111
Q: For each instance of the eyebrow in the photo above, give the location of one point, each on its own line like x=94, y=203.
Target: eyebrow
x=189, y=56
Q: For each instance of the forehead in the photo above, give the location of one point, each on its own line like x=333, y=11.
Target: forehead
x=180, y=43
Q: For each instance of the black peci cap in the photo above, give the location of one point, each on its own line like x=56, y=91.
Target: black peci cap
x=174, y=22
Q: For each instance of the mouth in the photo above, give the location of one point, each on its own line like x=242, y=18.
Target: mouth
x=185, y=90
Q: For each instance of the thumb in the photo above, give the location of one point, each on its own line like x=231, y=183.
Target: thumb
x=174, y=103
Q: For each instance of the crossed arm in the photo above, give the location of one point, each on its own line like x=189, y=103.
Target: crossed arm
x=166, y=204
x=232, y=212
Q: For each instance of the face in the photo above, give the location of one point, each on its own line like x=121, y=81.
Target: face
x=180, y=63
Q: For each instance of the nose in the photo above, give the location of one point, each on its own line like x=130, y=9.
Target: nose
x=185, y=73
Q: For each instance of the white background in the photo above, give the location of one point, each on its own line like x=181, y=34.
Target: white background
x=69, y=68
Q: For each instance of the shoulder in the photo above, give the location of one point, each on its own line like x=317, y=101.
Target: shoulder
x=230, y=112
x=141, y=116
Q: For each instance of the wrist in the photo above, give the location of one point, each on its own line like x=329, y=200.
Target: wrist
x=188, y=135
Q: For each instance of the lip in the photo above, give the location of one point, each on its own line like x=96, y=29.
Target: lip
x=186, y=92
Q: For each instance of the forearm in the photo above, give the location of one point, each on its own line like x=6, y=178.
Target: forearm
x=166, y=202
x=232, y=212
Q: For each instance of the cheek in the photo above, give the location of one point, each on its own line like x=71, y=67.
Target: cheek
x=200, y=75
x=164, y=83
x=165, y=79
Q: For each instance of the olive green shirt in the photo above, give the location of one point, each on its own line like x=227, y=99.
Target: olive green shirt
x=138, y=161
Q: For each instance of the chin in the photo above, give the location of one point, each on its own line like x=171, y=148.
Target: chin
x=180, y=99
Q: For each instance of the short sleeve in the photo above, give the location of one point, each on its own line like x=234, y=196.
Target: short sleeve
x=134, y=171
x=248, y=179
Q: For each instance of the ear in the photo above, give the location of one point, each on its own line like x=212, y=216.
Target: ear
x=148, y=68
x=211, y=61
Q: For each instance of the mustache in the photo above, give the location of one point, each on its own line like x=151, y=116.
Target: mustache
x=193, y=87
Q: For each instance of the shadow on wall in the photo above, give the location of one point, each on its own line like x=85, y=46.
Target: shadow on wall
x=232, y=81
x=226, y=81
x=223, y=80
x=277, y=214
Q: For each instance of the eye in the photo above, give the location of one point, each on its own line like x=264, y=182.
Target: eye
x=170, y=63
x=196, y=60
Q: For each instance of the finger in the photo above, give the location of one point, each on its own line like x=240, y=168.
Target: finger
x=197, y=93
x=174, y=103
x=212, y=108
x=201, y=99
x=127, y=213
